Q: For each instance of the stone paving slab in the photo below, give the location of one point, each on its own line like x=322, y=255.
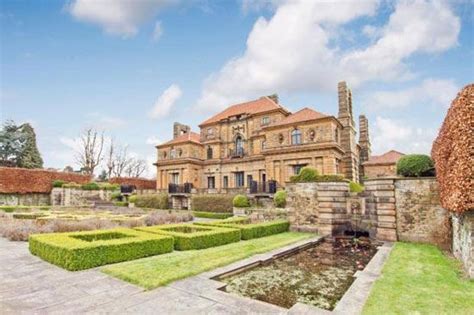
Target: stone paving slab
x=29, y=285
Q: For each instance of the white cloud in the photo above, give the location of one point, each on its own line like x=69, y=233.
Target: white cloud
x=434, y=92
x=165, y=102
x=117, y=17
x=389, y=134
x=295, y=49
x=157, y=31
x=415, y=26
x=104, y=122
x=153, y=140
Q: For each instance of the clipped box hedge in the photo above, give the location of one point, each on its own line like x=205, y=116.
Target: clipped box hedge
x=212, y=203
x=253, y=230
x=154, y=201
x=83, y=250
x=211, y=215
x=190, y=236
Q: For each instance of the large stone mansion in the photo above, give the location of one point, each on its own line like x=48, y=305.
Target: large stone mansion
x=261, y=141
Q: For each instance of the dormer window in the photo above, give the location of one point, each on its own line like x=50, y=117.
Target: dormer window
x=265, y=121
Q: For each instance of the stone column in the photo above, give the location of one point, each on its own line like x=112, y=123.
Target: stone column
x=332, y=204
x=383, y=193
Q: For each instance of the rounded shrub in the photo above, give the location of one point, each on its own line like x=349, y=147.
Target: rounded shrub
x=306, y=174
x=91, y=186
x=356, y=187
x=132, y=199
x=241, y=201
x=414, y=165
x=280, y=199
x=116, y=196
x=58, y=183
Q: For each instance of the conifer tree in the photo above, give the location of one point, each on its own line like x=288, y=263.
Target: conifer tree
x=30, y=156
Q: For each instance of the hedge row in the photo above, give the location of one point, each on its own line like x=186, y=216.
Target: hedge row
x=189, y=236
x=212, y=203
x=30, y=216
x=155, y=201
x=83, y=250
x=211, y=215
x=255, y=230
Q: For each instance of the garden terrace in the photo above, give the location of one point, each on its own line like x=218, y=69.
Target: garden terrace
x=83, y=250
x=188, y=236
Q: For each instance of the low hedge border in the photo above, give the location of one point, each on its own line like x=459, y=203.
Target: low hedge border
x=234, y=220
x=28, y=216
x=211, y=215
x=201, y=237
x=255, y=230
x=83, y=250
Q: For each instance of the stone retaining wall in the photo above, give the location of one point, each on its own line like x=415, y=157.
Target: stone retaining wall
x=29, y=199
x=463, y=239
x=78, y=197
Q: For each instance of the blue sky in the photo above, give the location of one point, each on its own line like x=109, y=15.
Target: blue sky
x=132, y=68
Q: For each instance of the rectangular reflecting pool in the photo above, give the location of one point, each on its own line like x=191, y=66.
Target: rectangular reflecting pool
x=318, y=275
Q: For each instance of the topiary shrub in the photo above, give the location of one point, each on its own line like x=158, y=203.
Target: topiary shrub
x=356, y=187
x=132, y=199
x=121, y=204
x=189, y=236
x=116, y=196
x=331, y=178
x=91, y=186
x=279, y=199
x=212, y=215
x=253, y=230
x=83, y=250
x=415, y=165
x=306, y=174
x=212, y=203
x=241, y=201
x=109, y=186
x=58, y=183
x=155, y=201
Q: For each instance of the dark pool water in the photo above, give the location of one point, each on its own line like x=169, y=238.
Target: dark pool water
x=317, y=276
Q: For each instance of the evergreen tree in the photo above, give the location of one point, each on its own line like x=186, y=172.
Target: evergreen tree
x=30, y=156
x=12, y=141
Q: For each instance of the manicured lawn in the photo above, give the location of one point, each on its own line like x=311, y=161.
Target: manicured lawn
x=159, y=270
x=420, y=279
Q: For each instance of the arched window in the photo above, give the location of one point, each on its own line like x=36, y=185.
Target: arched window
x=296, y=137
x=209, y=153
x=239, y=149
x=173, y=153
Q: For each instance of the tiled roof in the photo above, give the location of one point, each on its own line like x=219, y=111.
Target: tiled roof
x=261, y=105
x=190, y=136
x=302, y=115
x=390, y=157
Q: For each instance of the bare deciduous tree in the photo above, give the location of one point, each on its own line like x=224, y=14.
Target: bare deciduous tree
x=89, y=154
x=136, y=168
x=121, y=161
x=110, y=162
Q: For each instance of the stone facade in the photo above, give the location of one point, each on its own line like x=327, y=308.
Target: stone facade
x=381, y=170
x=261, y=141
x=463, y=240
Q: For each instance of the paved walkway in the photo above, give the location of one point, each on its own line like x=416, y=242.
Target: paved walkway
x=30, y=285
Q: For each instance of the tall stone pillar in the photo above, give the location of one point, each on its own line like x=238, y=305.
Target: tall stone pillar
x=383, y=198
x=350, y=160
x=364, y=142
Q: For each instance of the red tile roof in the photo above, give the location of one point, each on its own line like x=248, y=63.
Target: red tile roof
x=261, y=105
x=190, y=136
x=390, y=157
x=302, y=115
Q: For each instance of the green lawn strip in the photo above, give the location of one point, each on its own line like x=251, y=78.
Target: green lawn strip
x=160, y=270
x=420, y=279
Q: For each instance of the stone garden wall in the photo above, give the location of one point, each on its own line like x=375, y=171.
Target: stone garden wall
x=389, y=209
x=30, y=199
x=78, y=197
x=463, y=240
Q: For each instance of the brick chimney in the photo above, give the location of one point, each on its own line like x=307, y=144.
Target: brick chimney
x=364, y=142
x=274, y=97
x=350, y=160
x=180, y=129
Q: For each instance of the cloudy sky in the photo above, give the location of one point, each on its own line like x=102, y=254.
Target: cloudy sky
x=133, y=67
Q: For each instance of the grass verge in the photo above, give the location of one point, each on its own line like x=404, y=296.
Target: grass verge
x=420, y=279
x=160, y=270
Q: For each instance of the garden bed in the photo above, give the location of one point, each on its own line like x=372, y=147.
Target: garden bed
x=83, y=250
x=190, y=236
